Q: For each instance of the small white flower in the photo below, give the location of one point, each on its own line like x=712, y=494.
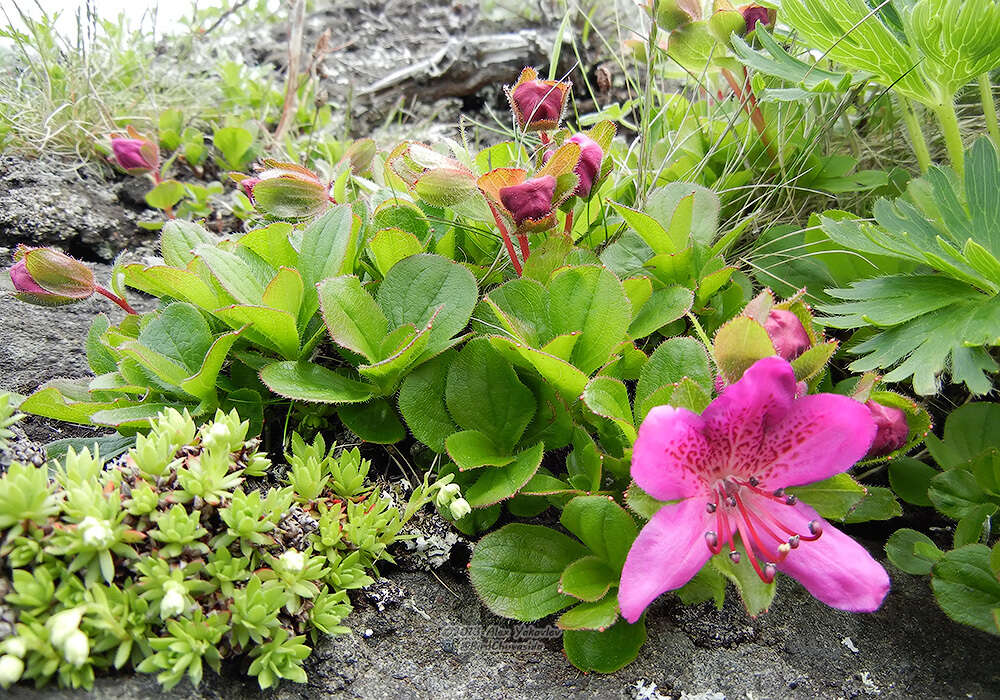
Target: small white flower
x=76, y=650
x=96, y=533
x=460, y=508
x=63, y=624
x=447, y=494
x=11, y=669
x=15, y=646
x=172, y=604
x=293, y=560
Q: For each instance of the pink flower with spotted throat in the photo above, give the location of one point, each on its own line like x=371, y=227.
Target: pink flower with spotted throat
x=728, y=468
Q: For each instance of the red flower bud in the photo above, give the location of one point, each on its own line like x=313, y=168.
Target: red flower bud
x=537, y=104
x=892, y=429
x=49, y=278
x=787, y=334
x=752, y=14
x=285, y=190
x=588, y=167
x=532, y=199
x=246, y=186
x=136, y=155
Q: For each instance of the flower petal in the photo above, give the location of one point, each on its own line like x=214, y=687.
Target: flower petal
x=835, y=569
x=666, y=554
x=737, y=422
x=670, y=454
x=821, y=435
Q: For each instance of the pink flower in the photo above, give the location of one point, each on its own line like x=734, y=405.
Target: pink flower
x=752, y=14
x=136, y=155
x=22, y=279
x=892, y=429
x=727, y=469
x=787, y=333
x=537, y=104
x=588, y=167
x=532, y=199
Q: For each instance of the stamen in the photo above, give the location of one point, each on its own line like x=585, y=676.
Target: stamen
x=710, y=507
x=753, y=481
x=815, y=527
x=779, y=492
x=734, y=557
x=712, y=539
x=793, y=541
x=769, y=571
x=791, y=500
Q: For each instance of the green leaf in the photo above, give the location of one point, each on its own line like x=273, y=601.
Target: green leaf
x=597, y=615
x=138, y=416
x=607, y=651
x=373, y=421
x=422, y=402
x=910, y=479
x=178, y=239
x=956, y=493
x=271, y=244
x=163, y=281
x=588, y=579
x=305, y=381
x=329, y=248
x=516, y=570
x=401, y=215
x=276, y=327
x=499, y=483
x=832, y=498
x=389, y=246
x=202, y=383
x=100, y=359
x=420, y=286
x=233, y=273
x=966, y=587
x=738, y=344
x=285, y=292
x=471, y=449
x=352, y=317
x=969, y=431
x=901, y=552
x=608, y=398
x=812, y=361
x=878, y=504
x=689, y=211
x=49, y=402
x=664, y=306
x=234, y=143
x=591, y=300
x=605, y=527
x=672, y=361
x=181, y=333
x=976, y=525
x=567, y=379
x=757, y=595
x=484, y=393
x=386, y=373
x=641, y=503
x=165, y=195
x=649, y=229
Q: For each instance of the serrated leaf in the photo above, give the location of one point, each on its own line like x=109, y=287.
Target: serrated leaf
x=605, y=527
x=607, y=651
x=598, y=615
x=500, y=483
x=305, y=381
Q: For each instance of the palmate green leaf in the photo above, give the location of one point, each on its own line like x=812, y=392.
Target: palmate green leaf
x=959, y=39
x=851, y=33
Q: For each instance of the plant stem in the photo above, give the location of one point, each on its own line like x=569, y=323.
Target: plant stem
x=702, y=336
x=115, y=298
x=508, y=244
x=749, y=104
x=917, y=139
x=989, y=107
x=952, y=135
x=522, y=239
x=292, y=77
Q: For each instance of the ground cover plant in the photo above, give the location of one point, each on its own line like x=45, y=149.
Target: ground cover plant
x=629, y=351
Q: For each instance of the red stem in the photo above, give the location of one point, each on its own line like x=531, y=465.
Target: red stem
x=544, y=136
x=117, y=299
x=569, y=223
x=508, y=244
x=522, y=238
x=749, y=104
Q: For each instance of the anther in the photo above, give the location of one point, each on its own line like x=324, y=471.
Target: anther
x=710, y=507
x=793, y=541
x=783, y=550
x=815, y=527
x=753, y=481
x=769, y=571
x=731, y=501
x=779, y=492
x=734, y=556
x=791, y=500
x=712, y=539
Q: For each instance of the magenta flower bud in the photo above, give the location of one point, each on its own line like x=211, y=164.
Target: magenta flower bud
x=135, y=155
x=532, y=199
x=537, y=104
x=752, y=14
x=589, y=165
x=893, y=431
x=787, y=334
x=246, y=186
x=49, y=278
